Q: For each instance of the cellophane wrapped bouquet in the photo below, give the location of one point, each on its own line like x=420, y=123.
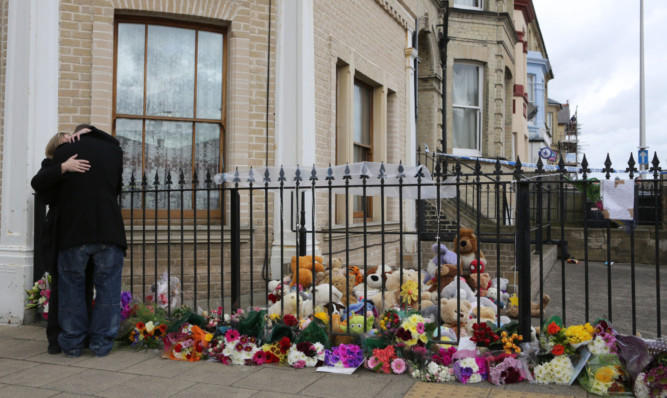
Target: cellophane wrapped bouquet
x=506, y=368
x=604, y=376
x=469, y=367
x=385, y=360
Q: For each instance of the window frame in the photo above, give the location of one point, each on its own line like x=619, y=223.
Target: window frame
x=359, y=215
x=466, y=7
x=147, y=21
x=479, y=108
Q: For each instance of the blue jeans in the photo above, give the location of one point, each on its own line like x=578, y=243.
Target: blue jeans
x=74, y=321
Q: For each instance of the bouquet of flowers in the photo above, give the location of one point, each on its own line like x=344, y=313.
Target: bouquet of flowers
x=126, y=309
x=38, y=296
x=239, y=349
x=215, y=318
x=604, y=341
x=147, y=335
x=390, y=321
x=604, y=376
x=438, y=369
x=483, y=335
x=506, y=368
x=384, y=360
x=273, y=352
x=469, y=367
x=305, y=355
x=414, y=330
x=579, y=335
x=652, y=380
x=187, y=344
x=557, y=371
x=555, y=340
x=344, y=356
x=509, y=342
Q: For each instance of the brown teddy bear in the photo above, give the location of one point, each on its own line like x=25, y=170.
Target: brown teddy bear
x=339, y=281
x=306, y=265
x=453, y=317
x=512, y=311
x=393, y=289
x=465, y=245
x=484, y=282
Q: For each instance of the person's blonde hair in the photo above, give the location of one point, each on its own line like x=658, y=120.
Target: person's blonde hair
x=53, y=144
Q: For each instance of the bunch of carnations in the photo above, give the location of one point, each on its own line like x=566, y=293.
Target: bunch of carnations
x=239, y=349
x=604, y=375
x=38, y=296
x=187, y=344
x=557, y=371
x=443, y=356
x=506, y=368
x=483, y=335
x=652, y=383
x=556, y=341
x=344, y=356
x=469, y=367
x=414, y=329
x=147, y=335
x=604, y=341
x=385, y=360
x=306, y=354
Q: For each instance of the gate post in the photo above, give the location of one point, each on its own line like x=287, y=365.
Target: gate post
x=522, y=250
x=235, y=215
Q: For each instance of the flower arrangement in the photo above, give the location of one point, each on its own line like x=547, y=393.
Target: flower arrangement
x=444, y=356
x=432, y=373
x=604, y=375
x=557, y=371
x=273, y=353
x=509, y=342
x=239, y=349
x=579, y=335
x=147, y=335
x=469, y=368
x=344, y=356
x=38, y=296
x=604, y=341
x=305, y=355
x=389, y=324
x=652, y=381
x=126, y=309
x=215, y=318
x=384, y=360
x=555, y=340
x=414, y=330
x=186, y=344
x=483, y=335
x=506, y=368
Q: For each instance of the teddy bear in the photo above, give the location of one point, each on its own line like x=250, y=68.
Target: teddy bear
x=486, y=314
x=393, y=290
x=455, y=317
x=500, y=300
x=341, y=282
x=287, y=305
x=512, y=310
x=375, y=278
x=484, y=282
x=465, y=245
x=447, y=259
x=453, y=290
x=321, y=294
x=307, y=265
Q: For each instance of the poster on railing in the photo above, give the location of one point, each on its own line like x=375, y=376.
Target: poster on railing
x=618, y=199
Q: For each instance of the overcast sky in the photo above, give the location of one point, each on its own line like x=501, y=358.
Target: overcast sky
x=593, y=48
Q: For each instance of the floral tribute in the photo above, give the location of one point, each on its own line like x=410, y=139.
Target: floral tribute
x=555, y=340
x=273, y=353
x=509, y=342
x=385, y=360
x=239, y=349
x=506, y=368
x=126, y=308
x=414, y=330
x=579, y=335
x=187, y=344
x=389, y=324
x=604, y=376
x=559, y=370
x=652, y=382
x=604, y=341
x=306, y=355
x=147, y=335
x=344, y=356
x=483, y=335
x=469, y=367
x=38, y=296
x=215, y=318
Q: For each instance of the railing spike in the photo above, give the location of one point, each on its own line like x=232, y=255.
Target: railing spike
x=655, y=166
x=607, y=167
x=313, y=174
x=631, y=167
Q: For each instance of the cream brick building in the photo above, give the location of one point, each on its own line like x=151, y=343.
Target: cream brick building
x=250, y=83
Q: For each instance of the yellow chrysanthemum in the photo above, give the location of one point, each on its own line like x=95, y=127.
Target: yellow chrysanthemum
x=323, y=316
x=606, y=374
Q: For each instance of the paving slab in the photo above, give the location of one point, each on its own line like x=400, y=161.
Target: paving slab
x=147, y=387
x=280, y=379
x=10, y=366
x=40, y=375
x=25, y=332
x=70, y=395
x=60, y=359
x=555, y=389
x=217, y=373
x=90, y=381
x=159, y=367
x=118, y=359
x=204, y=390
x=26, y=392
x=359, y=384
x=21, y=349
x=397, y=387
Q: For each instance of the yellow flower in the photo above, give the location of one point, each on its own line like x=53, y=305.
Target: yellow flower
x=409, y=291
x=150, y=326
x=208, y=337
x=606, y=374
x=323, y=316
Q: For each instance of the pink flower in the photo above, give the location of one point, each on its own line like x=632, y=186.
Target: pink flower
x=372, y=362
x=420, y=327
x=299, y=364
x=232, y=335
x=398, y=366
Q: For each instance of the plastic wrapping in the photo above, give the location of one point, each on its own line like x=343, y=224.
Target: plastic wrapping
x=604, y=376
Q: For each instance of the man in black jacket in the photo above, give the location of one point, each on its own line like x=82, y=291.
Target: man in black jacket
x=90, y=226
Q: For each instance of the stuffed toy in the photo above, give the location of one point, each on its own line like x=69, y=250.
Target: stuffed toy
x=167, y=292
x=359, y=309
x=393, y=290
x=453, y=317
x=451, y=291
x=356, y=324
x=374, y=281
x=484, y=284
x=501, y=301
x=341, y=282
x=448, y=261
x=336, y=338
x=512, y=310
x=358, y=274
x=276, y=289
x=306, y=265
x=465, y=245
x=486, y=314
x=288, y=304
x=321, y=293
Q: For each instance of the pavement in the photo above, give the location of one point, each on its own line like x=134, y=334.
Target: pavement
x=27, y=370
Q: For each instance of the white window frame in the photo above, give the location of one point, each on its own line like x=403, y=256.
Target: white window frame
x=480, y=5
x=480, y=109
x=531, y=80
x=550, y=122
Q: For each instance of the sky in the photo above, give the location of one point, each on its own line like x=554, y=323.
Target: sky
x=593, y=49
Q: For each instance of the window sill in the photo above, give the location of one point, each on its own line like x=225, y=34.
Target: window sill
x=202, y=233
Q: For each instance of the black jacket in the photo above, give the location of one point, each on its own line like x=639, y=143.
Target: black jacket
x=88, y=208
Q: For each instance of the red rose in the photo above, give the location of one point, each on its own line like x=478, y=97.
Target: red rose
x=177, y=348
x=553, y=328
x=558, y=349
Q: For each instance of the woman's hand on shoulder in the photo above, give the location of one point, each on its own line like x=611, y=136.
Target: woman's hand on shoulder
x=76, y=136
x=75, y=165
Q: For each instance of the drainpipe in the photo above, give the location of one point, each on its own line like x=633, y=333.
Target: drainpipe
x=443, y=40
